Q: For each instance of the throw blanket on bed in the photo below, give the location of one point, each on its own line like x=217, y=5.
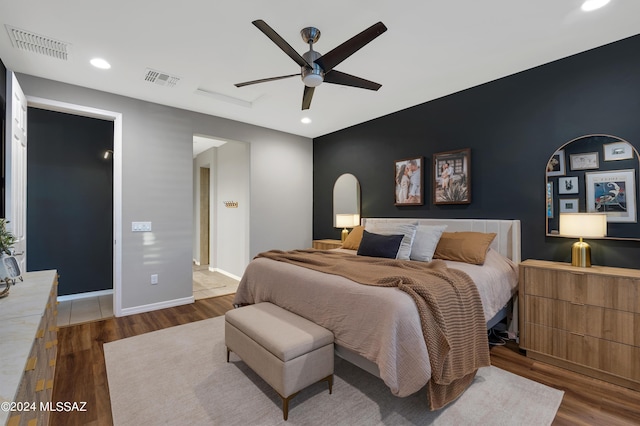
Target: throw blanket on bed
x=448, y=302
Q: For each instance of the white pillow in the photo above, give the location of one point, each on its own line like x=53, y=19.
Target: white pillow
x=426, y=241
x=388, y=228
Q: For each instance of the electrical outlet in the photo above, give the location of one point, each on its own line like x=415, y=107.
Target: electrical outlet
x=154, y=278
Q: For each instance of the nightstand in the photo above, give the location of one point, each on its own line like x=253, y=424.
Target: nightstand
x=583, y=319
x=326, y=244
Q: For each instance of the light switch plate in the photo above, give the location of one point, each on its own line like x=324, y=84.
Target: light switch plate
x=140, y=226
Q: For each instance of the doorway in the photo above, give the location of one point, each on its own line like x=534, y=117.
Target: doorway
x=205, y=226
x=221, y=173
x=116, y=118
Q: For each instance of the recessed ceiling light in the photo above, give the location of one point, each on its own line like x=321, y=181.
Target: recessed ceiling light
x=590, y=5
x=100, y=63
x=305, y=120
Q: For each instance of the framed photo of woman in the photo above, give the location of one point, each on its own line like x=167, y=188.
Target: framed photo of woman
x=408, y=182
x=452, y=177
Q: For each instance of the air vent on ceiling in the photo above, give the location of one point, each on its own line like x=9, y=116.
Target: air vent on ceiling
x=36, y=43
x=161, y=78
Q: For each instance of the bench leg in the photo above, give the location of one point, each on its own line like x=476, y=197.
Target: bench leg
x=228, y=351
x=285, y=401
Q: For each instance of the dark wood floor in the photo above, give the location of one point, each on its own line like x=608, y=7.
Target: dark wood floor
x=81, y=373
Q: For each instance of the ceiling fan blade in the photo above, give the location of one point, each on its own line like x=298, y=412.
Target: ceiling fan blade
x=280, y=42
x=264, y=80
x=306, y=97
x=337, y=77
x=349, y=47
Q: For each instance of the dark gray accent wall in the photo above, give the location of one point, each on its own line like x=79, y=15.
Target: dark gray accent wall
x=70, y=199
x=512, y=125
x=3, y=106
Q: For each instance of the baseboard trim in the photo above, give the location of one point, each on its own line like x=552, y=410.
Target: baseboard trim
x=86, y=295
x=228, y=274
x=155, y=306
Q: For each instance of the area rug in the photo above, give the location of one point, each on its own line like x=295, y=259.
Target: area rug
x=179, y=376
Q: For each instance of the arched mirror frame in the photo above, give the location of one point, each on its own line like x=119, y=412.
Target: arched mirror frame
x=346, y=195
x=616, y=231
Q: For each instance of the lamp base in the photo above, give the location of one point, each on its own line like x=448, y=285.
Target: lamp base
x=581, y=254
x=345, y=234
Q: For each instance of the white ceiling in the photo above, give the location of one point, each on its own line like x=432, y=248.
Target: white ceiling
x=431, y=49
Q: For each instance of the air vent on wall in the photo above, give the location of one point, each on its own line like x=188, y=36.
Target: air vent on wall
x=161, y=78
x=36, y=43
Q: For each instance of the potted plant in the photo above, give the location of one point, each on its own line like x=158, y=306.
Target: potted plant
x=7, y=239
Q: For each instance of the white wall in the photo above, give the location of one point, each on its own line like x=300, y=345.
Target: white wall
x=232, y=242
x=157, y=186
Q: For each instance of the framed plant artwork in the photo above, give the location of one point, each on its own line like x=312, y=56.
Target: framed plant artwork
x=569, y=205
x=408, y=182
x=614, y=193
x=452, y=177
x=555, y=166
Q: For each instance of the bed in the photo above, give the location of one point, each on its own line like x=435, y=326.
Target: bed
x=379, y=328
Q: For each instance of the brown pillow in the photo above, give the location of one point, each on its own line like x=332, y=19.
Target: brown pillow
x=353, y=239
x=468, y=247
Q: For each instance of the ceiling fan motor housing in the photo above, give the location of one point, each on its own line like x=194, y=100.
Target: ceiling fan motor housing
x=312, y=77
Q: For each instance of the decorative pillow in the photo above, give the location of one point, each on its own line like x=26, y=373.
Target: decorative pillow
x=425, y=242
x=468, y=247
x=353, y=240
x=379, y=245
x=388, y=228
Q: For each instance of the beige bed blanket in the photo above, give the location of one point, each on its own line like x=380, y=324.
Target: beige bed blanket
x=447, y=300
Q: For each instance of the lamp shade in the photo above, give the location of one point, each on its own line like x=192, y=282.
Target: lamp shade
x=347, y=220
x=583, y=225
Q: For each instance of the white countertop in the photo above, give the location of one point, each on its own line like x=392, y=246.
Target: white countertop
x=20, y=315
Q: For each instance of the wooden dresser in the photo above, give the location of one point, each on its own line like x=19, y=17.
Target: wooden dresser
x=583, y=319
x=326, y=244
x=28, y=347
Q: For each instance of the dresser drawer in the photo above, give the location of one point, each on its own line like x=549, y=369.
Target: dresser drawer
x=555, y=284
x=599, y=354
x=556, y=313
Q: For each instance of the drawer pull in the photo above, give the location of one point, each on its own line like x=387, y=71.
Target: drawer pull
x=40, y=333
x=14, y=421
x=52, y=363
x=49, y=384
x=31, y=363
x=40, y=385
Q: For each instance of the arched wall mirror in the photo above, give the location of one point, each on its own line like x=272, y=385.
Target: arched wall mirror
x=346, y=196
x=595, y=174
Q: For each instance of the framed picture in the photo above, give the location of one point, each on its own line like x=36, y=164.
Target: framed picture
x=549, y=200
x=408, y=182
x=555, y=166
x=569, y=205
x=452, y=177
x=614, y=193
x=585, y=161
x=617, y=151
x=568, y=185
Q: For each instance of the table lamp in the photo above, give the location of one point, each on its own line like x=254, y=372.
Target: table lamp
x=582, y=225
x=346, y=221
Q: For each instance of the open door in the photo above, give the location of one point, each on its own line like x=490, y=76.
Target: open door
x=16, y=167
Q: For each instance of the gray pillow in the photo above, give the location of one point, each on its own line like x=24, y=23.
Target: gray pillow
x=426, y=241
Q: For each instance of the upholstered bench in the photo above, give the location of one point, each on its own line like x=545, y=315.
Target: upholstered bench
x=289, y=352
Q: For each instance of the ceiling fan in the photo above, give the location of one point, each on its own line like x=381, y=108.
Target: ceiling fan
x=316, y=68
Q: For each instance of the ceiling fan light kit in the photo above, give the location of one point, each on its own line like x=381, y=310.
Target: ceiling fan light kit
x=316, y=68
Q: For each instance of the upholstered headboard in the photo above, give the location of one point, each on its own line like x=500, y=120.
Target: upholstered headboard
x=507, y=241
